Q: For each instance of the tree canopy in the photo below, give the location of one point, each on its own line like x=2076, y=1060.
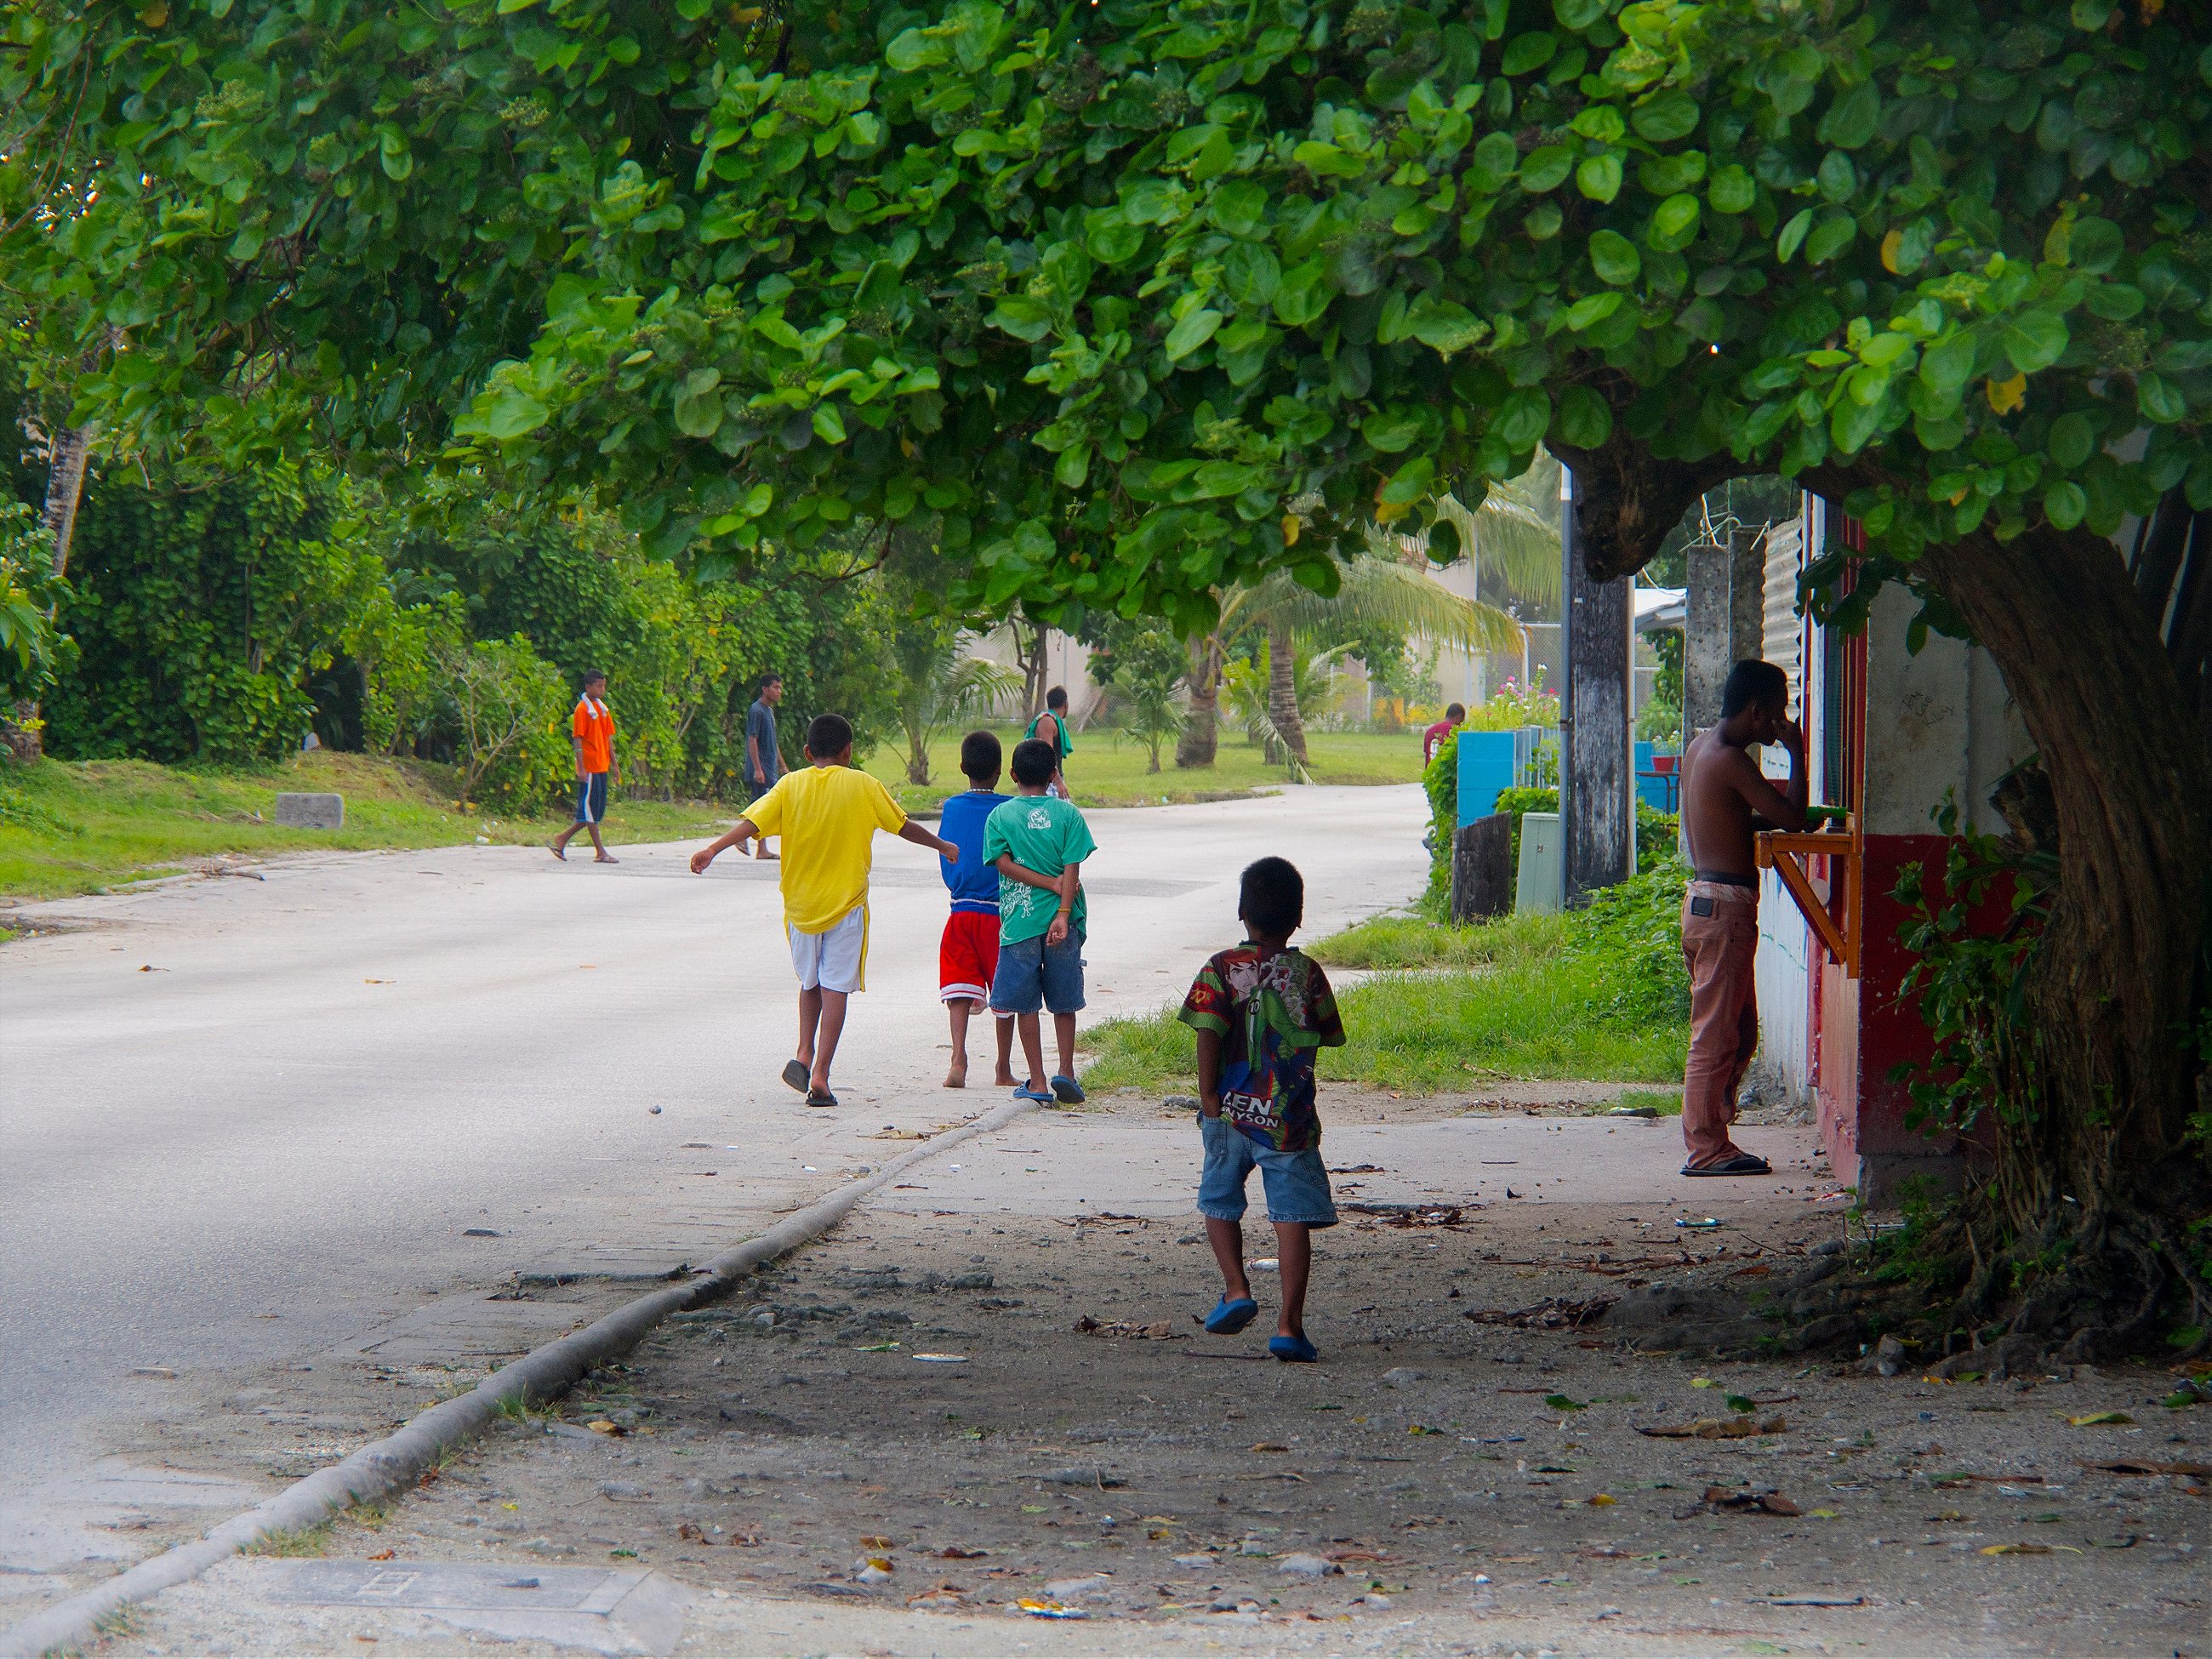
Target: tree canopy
x=1139, y=298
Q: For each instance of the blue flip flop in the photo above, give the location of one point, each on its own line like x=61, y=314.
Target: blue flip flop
x=1022, y=1092
x=1230, y=1317
x=1293, y=1350
x=1068, y=1091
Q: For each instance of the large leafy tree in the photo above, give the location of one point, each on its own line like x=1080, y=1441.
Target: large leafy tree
x=1126, y=304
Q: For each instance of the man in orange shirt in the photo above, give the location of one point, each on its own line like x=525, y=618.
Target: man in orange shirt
x=593, y=727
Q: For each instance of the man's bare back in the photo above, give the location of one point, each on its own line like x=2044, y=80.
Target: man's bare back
x=1726, y=799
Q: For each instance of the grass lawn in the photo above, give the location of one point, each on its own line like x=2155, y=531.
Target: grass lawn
x=80, y=827
x=1107, y=770
x=1524, y=998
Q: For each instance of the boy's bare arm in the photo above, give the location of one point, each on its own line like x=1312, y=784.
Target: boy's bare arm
x=740, y=832
x=1064, y=884
x=1209, y=1072
x=1023, y=873
x=920, y=837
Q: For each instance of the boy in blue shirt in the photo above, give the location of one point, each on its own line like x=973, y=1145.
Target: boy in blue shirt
x=969, y=954
x=1038, y=842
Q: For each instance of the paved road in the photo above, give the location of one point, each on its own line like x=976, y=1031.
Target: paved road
x=241, y=1120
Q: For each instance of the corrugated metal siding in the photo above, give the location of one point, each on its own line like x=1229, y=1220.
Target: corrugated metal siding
x=1782, y=636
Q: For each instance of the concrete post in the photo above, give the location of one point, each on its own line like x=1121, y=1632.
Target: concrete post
x=1597, y=768
x=1726, y=620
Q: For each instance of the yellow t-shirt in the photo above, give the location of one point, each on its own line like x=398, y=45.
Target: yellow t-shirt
x=828, y=817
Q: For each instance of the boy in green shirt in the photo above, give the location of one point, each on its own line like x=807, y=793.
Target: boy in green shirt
x=1038, y=842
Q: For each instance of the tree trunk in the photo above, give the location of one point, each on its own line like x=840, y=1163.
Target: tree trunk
x=2114, y=981
x=1202, y=732
x=1031, y=658
x=917, y=757
x=20, y=732
x=1283, y=691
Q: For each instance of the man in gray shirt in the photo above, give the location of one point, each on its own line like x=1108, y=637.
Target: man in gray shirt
x=763, y=763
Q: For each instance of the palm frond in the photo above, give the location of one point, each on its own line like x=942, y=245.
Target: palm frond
x=1513, y=534
x=1379, y=591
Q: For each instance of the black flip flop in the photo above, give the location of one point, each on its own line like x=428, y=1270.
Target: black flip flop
x=1743, y=1163
x=820, y=1097
x=795, y=1075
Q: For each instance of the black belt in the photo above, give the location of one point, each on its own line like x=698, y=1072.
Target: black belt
x=1726, y=878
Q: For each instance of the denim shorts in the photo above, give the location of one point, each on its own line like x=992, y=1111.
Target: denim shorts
x=1031, y=975
x=1296, y=1183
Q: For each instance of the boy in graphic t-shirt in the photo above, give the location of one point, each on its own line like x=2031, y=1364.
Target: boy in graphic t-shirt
x=1038, y=842
x=1262, y=1012
x=969, y=954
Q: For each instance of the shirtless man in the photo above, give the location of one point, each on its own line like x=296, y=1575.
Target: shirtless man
x=1726, y=799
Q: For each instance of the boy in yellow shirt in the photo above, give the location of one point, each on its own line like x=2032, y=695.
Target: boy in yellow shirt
x=828, y=814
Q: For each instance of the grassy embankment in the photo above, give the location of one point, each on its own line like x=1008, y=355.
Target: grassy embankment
x=69, y=828
x=81, y=826
x=1589, y=997
x=1107, y=770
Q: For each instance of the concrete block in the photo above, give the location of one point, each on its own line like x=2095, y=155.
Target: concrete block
x=312, y=812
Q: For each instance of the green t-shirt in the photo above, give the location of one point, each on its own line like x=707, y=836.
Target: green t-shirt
x=1044, y=833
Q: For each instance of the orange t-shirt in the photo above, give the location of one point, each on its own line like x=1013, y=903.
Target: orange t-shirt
x=594, y=726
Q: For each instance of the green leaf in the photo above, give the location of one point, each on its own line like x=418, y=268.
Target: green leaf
x=1793, y=235
x=1851, y=119
x=1600, y=124
x=1561, y=1402
x=2032, y=339
x=2073, y=439
x=1528, y=51
x=915, y=49
x=1393, y=430
x=1447, y=327
x=1546, y=167
x=828, y=424
x=2160, y=399
x=1191, y=332
x=1585, y=419
x=1579, y=15
x=2096, y=246
x=1615, y=258
x=1731, y=190
x=1022, y=318
x=1829, y=237
x=1238, y=208
x=514, y=413
x=1522, y=419
x=1593, y=309
x=1674, y=223
x=1948, y=364
x=1665, y=117
x=1598, y=177
x=1443, y=542
x=2065, y=504
x=1252, y=274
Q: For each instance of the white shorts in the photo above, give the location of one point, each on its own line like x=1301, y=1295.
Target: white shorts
x=831, y=961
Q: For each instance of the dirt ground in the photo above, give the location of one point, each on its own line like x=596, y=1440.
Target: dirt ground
x=981, y=1418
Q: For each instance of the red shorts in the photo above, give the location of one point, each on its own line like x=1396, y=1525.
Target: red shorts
x=967, y=957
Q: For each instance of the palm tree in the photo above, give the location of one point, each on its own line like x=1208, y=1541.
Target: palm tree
x=1515, y=533
x=932, y=685
x=1377, y=587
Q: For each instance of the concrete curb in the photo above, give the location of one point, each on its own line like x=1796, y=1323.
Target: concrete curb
x=389, y=1465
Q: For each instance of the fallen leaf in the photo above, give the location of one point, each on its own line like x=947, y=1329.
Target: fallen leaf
x=1269, y=1446
x=1560, y=1402
x=2136, y=1466
x=2027, y=1549
x=2092, y=1420
x=1157, y=1330
x=1741, y=1402
x=600, y=1426
x=957, y=1552
x=1701, y=1382
x=1721, y=1499
x=872, y=1542
x=382, y=1555
x=1603, y=1500
x=1717, y=1428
